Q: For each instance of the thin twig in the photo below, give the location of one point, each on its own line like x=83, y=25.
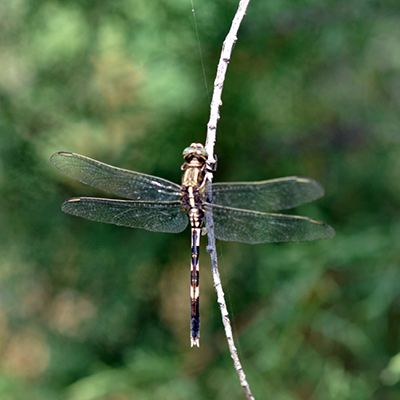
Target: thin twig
x=224, y=59
x=222, y=305
x=216, y=102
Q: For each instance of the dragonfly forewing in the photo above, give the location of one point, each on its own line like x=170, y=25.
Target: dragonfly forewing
x=121, y=182
x=270, y=195
x=167, y=217
x=231, y=224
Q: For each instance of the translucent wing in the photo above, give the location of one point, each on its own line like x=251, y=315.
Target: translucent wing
x=118, y=181
x=270, y=195
x=244, y=226
x=156, y=217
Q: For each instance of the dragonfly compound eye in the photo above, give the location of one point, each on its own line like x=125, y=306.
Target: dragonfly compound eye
x=195, y=150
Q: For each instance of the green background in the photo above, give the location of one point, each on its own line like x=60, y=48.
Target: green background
x=94, y=311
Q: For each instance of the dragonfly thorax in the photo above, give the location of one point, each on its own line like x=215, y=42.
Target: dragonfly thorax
x=193, y=183
x=194, y=166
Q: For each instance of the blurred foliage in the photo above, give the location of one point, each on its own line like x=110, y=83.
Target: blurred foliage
x=90, y=311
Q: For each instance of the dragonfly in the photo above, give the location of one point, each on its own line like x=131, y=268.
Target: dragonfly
x=242, y=211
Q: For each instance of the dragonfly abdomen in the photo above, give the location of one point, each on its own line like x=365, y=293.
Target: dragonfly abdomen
x=194, y=289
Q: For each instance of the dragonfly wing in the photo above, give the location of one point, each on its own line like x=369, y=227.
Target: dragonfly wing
x=156, y=217
x=118, y=181
x=244, y=226
x=264, y=196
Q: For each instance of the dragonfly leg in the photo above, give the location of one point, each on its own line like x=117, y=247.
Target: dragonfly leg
x=194, y=290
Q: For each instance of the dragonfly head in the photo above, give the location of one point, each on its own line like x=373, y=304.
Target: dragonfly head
x=195, y=150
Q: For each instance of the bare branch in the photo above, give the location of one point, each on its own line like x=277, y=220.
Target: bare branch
x=211, y=248
x=224, y=59
x=216, y=102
